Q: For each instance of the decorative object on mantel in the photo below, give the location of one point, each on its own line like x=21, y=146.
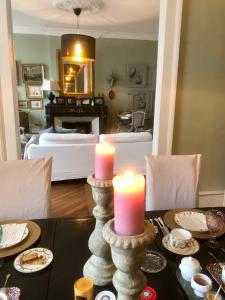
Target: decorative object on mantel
x=128, y=253
x=99, y=266
x=49, y=86
x=112, y=80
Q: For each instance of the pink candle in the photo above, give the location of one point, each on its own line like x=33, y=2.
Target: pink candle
x=129, y=203
x=104, y=159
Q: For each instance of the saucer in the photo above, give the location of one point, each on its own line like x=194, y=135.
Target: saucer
x=189, y=250
x=30, y=268
x=154, y=262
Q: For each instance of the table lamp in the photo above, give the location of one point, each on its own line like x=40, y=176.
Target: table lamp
x=50, y=85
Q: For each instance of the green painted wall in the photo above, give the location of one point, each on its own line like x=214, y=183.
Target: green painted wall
x=114, y=55
x=200, y=103
x=111, y=55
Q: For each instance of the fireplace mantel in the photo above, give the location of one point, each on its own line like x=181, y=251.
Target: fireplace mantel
x=55, y=110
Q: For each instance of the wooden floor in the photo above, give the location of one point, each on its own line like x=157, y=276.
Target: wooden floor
x=71, y=198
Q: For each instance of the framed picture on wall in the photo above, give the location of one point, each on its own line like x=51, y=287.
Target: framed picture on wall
x=142, y=99
x=137, y=75
x=33, y=73
x=23, y=104
x=36, y=104
x=33, y=91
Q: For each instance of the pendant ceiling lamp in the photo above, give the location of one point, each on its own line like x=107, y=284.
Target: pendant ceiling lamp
x=78, y=47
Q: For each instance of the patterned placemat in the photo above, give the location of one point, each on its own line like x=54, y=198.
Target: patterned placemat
x=34, y=233
x=216, y=271
x=169, y=221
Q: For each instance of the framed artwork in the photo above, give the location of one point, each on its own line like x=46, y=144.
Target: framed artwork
x=85, y=102
x=137, y=75
x=23, y=104
x=60, y=100
x=36, y=104
x=71, y=101
x=33, y=73
x=17, y=73
x=33, y=91
x=142, y=99
x=99, y=101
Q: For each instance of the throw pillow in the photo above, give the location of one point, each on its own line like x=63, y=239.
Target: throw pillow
x=48, y=130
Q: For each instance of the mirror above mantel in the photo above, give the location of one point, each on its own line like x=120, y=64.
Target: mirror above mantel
x=75, y=78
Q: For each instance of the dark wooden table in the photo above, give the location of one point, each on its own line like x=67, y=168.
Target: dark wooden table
x=68, y=240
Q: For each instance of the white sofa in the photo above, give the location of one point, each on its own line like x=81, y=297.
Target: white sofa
x=74, y=154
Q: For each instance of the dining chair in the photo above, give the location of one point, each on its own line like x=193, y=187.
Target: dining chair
x=25, y=187
x=138, y=119
x=172, y=181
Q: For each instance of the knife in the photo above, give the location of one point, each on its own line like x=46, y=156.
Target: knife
x=214, y=257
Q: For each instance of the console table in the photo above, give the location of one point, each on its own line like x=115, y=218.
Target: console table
x=55, y=110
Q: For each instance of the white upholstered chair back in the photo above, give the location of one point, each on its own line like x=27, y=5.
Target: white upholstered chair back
x=172, y=181
x=25, y=187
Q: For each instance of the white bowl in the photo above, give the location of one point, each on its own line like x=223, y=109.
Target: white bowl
x=201, y=284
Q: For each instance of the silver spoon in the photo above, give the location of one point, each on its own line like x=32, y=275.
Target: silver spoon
x=3, y=295
x=6, y=280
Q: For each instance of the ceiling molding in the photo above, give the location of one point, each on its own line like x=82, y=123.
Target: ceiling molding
x=94, y=33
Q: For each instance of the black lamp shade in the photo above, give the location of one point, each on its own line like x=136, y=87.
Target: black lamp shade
x=87, y=43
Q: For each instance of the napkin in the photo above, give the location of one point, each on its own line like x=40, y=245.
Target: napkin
x=12, y=234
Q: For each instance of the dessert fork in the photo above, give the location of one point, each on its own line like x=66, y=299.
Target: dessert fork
x=163, y=224
x=156, y=228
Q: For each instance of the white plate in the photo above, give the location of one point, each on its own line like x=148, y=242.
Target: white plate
x=25, y=234
x=192, y=249
x=29, y=268
x=191, y=220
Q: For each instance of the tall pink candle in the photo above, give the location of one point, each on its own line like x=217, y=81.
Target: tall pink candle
x=104, y=160
x=129, y=204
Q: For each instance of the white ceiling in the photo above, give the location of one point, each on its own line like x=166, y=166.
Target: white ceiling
x=134, y=19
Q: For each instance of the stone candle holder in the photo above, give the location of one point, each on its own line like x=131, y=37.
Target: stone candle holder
x=128, y=254
x=99, y=266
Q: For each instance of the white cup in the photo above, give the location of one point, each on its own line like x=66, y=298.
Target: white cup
x=180, y=238
x=201, y=284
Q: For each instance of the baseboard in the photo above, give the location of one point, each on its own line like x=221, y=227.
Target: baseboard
x=212, y=198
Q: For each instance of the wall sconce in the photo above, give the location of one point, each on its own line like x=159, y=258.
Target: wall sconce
x=112, y=80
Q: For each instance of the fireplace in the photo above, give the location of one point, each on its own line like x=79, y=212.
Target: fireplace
x=89, y=118
x=83, y=124
x=82, y=127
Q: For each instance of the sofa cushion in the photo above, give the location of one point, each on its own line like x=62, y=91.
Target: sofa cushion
x=126, y=137
x=67, y=138
x=66, y=130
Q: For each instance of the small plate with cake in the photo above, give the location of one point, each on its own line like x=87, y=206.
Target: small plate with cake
x=33, y=260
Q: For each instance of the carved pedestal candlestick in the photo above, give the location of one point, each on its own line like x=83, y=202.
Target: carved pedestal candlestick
x=128, y=254
x=99, y=266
